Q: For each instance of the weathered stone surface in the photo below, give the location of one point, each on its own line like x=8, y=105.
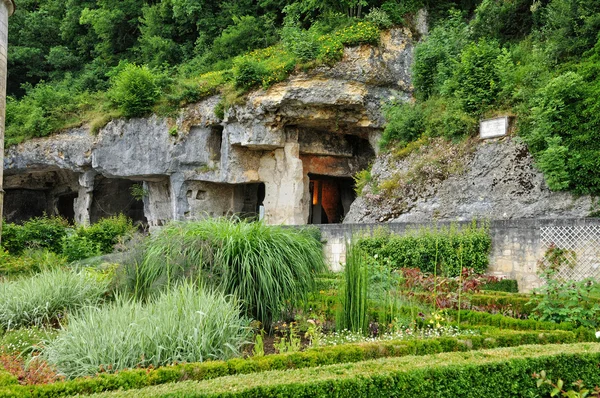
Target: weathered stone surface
x=324, y=122
x=70, y=150
x=499, y=182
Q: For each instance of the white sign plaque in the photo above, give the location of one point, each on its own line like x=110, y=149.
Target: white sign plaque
x=492, y=128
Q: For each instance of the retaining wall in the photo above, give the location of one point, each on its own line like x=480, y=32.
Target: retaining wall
x=516, y=244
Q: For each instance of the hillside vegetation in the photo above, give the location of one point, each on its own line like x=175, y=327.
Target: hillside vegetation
x=537, y=60
x=87, y=61
x=79, y=61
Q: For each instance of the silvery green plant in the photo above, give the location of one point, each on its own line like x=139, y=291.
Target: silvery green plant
x=183, y=324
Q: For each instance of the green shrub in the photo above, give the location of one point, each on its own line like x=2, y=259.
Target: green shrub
x=76, y=247
x=7, y=379
x=37, y=233
x=135, y=90
x=560, y=133
x=359, y=33
x=444, y=117
x=248, y=73
x=476, y=80
x=406, y=123
x=246, y=34
x=30, y=261
x=47, y=297
x=503, y=285
x=560, y=300
x=379, y=18
x=504, y=322
x=397, y=10
x=435, y=58
x=11, y=239
x=445, y=375
x=445, y=249
x=302, y=43
x=185, y=324
x=503, y=20
x=269, y=268
x=107, y=231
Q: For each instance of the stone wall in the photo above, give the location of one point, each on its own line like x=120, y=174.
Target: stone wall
x=516, y=245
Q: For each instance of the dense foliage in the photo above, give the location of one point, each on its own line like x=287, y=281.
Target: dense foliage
x=48, y=297
x=536, y=60
x=78, y=61
x=268, y=267
x=444, y=250
x=186, y=324
x=47, y=242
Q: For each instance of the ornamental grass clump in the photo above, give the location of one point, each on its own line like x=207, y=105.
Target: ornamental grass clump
x=184, y=324
x=270, y=268
x=47, y=297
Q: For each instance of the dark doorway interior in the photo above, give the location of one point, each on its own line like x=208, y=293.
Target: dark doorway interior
x=65, y=206
x=112, y=196
x=331, y=198
x=254, y=196
x=21, y=205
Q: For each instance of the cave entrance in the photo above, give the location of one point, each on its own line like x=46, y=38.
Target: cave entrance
x=20, y=205
x=331, y=198
x=253, y=203
x=65, y=206
x=112, y=196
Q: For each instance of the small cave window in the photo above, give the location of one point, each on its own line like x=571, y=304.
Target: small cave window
x=215, y=143
x=331, y=198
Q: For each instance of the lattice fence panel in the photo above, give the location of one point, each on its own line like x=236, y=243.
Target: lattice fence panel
x=581, y=245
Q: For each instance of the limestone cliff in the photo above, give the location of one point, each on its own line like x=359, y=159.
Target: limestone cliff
x=276, y=153
x=287, y=154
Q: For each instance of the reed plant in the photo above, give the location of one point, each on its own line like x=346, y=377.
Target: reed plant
x=353, y=310
x=270, y=268
x=184, y=324
x=47, y=297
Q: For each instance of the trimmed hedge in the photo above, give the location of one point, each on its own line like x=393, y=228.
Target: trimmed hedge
x=503, y=285
x=7, y=379
x=504, y=322
x=490, y=373
x=449, y=249
x=521, y=305
x=138, y=378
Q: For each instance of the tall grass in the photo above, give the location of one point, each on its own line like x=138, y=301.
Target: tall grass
x=184, y=324
x=353, y=315
x=270, y=268
x=47, y=297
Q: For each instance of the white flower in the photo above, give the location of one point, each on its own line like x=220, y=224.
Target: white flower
x=598, y=335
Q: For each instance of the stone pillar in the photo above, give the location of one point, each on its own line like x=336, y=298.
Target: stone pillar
x=287, y=195
x=7, y=7
x=83, y=203
x=157, y=203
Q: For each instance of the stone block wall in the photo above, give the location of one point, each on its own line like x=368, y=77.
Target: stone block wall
x=516, y=245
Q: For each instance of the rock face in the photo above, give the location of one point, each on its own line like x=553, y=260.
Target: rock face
x=498, y=182
x=287, y=154
x=266, y=156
